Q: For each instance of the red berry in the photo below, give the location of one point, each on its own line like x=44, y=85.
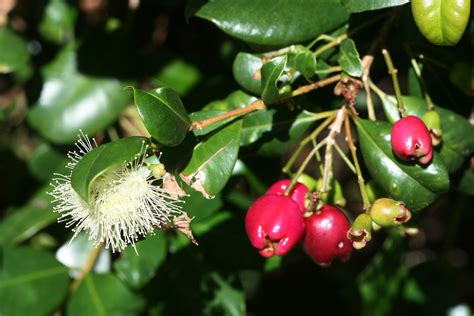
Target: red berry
x=326, y=236
x=411, y=140
x=298, y=193
x=274, y=224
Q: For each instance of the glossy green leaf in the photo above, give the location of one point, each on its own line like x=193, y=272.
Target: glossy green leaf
x=17, y=55
x=246, y=70
x=462, y=76
x=71, y=101
x=44, y=161
x=32, y=282
x=466, y=184
x=178, y=75
x=74, y=254
x=349, y=58
x=137, y=267
x=417, y=186
x=442, y=22
x=458, y=142
x=271, y=72
x=367, y=5
x=287, y=128
x=103, y=295
x=103, y=158
x=200, y=208
x=226, y=298
x=255, y=125
x=163, y=114
x=414, y=85
x=234, y=100
x=212, y=160
x=57, y=24
x=305, y=63
x=412, y=105
x=24, y=222
x=271, y=22
x=204, y=211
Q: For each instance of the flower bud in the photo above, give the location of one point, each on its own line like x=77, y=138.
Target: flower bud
x=433, y=123
x=157, y=170
x=326, y=236
x=411, y=140
x=297, y=194
x=360, y=233
x=387, y=212
x=274, y=224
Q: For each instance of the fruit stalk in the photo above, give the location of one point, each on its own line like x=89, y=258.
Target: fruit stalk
x=360, y=178
x=334, y=130
x=393, y=72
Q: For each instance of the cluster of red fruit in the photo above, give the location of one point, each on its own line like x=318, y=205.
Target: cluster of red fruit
x=276, y=222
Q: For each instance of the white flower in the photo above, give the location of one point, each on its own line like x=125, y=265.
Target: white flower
x=125, y=202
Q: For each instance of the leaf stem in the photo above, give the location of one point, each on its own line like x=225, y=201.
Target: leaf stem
x=393, y=72
x=305, y=141
x=87, y=267
x=254, y=106
x=360, y=178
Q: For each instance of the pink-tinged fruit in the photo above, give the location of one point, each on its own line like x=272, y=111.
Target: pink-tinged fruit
x=411, y=140
x=297, y=194
x=274, y=224
x=326, y=236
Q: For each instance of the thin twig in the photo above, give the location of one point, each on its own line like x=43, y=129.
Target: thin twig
x=305, y=141
x=344, y=158
x=417, y=70
x=393, y=72
x=334, y=130
x=315, y=85
x=336, y=41
x=367, y=62
x=87, y=267
x=360, y=178
x=303, y=166
x=254, y=106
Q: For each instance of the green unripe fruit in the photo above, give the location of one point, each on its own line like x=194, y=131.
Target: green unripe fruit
x=442, y=22
x=387, y=212
x=433, y=122
x=335, y=195
x=308, y=181
x=361, y=231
